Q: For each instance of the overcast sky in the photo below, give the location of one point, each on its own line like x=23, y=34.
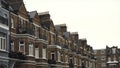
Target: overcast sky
x=96, y=20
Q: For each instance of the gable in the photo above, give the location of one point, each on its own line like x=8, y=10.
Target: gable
x=22, y=9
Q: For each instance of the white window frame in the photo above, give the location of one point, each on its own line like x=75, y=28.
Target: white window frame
x=114, y=50
x=75, y=59
x=12, y=23
x=59, y=57
x=22, y=45
x=66, y=57
x=12, y=45
x=3, y=42
x=44, y=53
x=80, y=62
x=37, y=53
x=31, y=49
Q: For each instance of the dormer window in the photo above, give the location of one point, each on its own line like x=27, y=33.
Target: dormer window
x=113, y=50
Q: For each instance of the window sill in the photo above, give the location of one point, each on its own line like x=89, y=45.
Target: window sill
x=58, y=61
x=37, y=58
x=12, y=27
x=44, y=58
x=30, y=55
x=3, y=50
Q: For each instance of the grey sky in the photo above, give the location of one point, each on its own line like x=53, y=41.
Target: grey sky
x=96, y=20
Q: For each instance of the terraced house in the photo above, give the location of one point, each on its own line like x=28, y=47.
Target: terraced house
x=112, y=57
x=35, y=42
x=108, y=58
x=4, y=34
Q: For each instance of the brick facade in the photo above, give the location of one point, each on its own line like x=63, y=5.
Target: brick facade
x=108, y=58
x=35, y=42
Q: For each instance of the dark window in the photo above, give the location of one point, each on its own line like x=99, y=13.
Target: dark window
x=53, y=56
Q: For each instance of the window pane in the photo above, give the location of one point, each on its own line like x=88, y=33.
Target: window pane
x=4, y=46
x=21, y=42
x=30, y=49
x=53, y=57
x=21, y=48
x=0, y=43
x=36, y=52
x=44, y=53
x=12, y=46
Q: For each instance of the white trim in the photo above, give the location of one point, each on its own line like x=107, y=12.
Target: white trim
x=43, y=13
x=54, y=46
x=112, y=62
x=12, y=23
x=3, y=43
x=52, y=32
x=29, y=36
x=22, y=45
x=41, y=63
x=4, y=26
x=59, y=56
x=36, y=25
x=23, y=18
x=66, y=57
x=61, y=37
x=13, y=14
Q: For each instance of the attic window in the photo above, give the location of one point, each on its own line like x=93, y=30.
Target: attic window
x=113, y=50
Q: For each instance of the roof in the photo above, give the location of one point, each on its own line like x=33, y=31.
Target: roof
x=66, y=34
x=57, y=27
x=43, y=13
x=61, y=25
x=32, y=14
x=15, y=6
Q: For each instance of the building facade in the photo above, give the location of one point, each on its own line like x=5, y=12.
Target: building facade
x=100, y=55
x=35, y=42
x=4, y=34
x=108, y=58
x=112, y=57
